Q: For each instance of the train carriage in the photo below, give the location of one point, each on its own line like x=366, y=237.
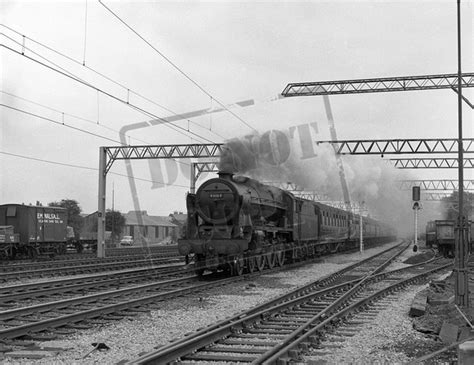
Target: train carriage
x=430, y=234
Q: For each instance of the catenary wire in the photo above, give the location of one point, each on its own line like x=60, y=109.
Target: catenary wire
x=87, y=168
x=71, y=115
x=102, y=75
x=59, y=123
x=74, y=77
x=178, y=69
x=141, y=110
x=83, y=119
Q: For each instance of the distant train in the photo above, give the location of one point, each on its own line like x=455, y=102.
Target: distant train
x=239, y=225
x=441, y=234
x=31, y=231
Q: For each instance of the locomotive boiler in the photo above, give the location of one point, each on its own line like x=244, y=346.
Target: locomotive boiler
x=238, y=224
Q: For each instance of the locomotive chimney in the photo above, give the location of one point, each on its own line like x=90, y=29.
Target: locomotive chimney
x=225, y=175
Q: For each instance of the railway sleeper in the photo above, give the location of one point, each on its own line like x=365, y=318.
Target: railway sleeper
x=336, y=338
x=349, y=332
x=77, y=326
x=249, y=350
x=296, y=316
x=114, y=317
x=283, y=326
x=62, y=331
x=279, y=331
x=316, y=307
x=302, y=313
x=218, y=357
x=96, y=321
x=41, y=336
x=248, y=342
x=320, y=353
x=287, y=319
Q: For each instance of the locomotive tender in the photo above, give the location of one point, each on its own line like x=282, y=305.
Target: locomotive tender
x=238, y=224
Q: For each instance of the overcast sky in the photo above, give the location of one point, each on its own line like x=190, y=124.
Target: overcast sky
x=234, y=50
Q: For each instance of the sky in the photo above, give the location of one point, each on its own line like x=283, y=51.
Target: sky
x=197, y=55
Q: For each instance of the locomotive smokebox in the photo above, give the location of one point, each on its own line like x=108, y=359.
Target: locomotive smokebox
x=225, y=175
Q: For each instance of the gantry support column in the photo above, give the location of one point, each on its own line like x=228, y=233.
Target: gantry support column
x=193, y=178
x=101, y=210
x=461, y=274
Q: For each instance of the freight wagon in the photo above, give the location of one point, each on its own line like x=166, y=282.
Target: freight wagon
x=441, y=233
x=39, y=230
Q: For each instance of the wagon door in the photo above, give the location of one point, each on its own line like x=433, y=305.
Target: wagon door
x=53, y=224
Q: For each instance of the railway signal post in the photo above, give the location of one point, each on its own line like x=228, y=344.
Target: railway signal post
x=416, y=207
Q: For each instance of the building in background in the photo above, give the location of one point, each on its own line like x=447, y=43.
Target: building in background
x=155, y=229
x=180, y=219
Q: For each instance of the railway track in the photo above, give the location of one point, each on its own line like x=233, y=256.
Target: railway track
x=76, y=312
x=279, y=331
x=110, y=253
x=64, y=268
x=81, y=311
x=14, y=296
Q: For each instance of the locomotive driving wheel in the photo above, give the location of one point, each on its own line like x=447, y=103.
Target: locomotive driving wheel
x=280, y=258
x=270, y=258
x=260, y=262
x=238, y=266
x=311, y=252
x=251, y=264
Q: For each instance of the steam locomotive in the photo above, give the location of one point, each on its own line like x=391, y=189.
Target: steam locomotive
x=239, y=225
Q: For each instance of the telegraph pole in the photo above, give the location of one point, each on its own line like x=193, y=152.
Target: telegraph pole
x=461, y=288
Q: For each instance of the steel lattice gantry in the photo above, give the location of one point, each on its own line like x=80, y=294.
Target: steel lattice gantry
x=444, y=184
x=108, y=155
x=160, y=151
x=400, y=146
x=357, y=86
x=435, y=196
x=430, y=163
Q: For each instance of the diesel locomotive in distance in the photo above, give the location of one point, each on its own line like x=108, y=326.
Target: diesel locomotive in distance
x=238, y=224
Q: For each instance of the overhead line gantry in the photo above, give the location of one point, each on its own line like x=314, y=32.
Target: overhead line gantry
x=430, y=163
x=400, y=146
x=212, y=151
x=443, y=184
x=455, y=82
x=372, y=85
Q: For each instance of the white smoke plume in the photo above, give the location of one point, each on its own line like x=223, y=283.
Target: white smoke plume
x=274, y=156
